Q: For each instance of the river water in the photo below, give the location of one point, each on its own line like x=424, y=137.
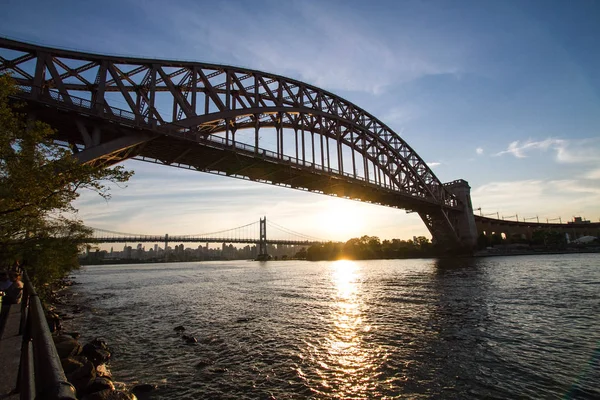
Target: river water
x=503, y=327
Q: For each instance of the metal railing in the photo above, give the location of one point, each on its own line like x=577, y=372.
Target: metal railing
x=41, y=375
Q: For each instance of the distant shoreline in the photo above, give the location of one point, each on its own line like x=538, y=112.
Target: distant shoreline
x=480, y=253
x=488, y=253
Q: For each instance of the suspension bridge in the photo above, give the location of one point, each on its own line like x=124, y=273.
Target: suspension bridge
x=254, y=233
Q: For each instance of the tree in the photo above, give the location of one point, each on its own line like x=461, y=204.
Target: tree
x=301, y=254
x=39, y=180
x=422, y=243
x=482, y=241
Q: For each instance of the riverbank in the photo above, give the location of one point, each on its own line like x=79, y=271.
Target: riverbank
x=495, y=252
x=524, y=252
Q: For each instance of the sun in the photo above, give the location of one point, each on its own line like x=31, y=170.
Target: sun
x=340, y=220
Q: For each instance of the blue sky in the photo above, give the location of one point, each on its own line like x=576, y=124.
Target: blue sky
x=503, y=94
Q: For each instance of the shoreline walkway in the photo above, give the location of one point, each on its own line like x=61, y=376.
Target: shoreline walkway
x=10, y=351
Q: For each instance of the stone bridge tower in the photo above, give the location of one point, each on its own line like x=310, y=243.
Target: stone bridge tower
x=463, y=221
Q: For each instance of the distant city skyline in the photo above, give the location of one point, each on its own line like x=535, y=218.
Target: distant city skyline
x=505, y=95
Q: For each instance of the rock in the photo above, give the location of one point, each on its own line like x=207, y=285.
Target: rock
x=74, y=335
x=100, y=344
x=82, y=377
x=110, y=395
x=70, y=364
x=143, y=388
x=189, y=339
x=53, y=320
x=61, y=338
x=97, y=352
x=96, y=356
x=203, y=363
x=243, y=319
x=179, y=328
x=102, y=371
x=99, y=384
x=67, y=346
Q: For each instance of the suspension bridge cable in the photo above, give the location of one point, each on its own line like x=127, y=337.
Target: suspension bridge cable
x=293, y=233
x=290, y=236
x=289, y=231
x=121, y=233
x=186, y=236
x=218, y=232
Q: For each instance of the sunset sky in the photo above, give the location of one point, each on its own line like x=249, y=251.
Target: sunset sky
x=503, y=94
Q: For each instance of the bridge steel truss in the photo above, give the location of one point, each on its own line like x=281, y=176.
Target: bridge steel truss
x=194, y=115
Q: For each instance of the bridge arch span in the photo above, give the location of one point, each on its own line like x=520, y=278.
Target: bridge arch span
x=208, y=104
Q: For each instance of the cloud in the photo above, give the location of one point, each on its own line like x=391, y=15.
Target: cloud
x=433, y=164
x=401, y=114
x=325, y=44
x=544, y=198
x=479, y=151
x=593, y=174
x=519, y=149
x=566, y=151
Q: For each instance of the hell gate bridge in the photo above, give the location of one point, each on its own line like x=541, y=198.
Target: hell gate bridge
x=236, y=122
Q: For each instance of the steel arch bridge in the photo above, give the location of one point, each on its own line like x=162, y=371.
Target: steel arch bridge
x=232, y=121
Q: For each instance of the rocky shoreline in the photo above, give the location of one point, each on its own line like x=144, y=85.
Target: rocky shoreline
x=85, y=366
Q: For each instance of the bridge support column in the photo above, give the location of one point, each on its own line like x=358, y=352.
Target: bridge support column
x=262, y=243
x=166, y=246
x=464, y=221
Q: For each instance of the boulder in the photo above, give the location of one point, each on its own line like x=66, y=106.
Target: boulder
x=144, y=391
x=53, y=320
x=189, y=339
x=203, y=363
x=97, y=352
x=66, y=346
x=96, y=356
x=82, y=377
x=74, y=335
x=102, y=370
x=99, y=384
x=110, y=395
x=61, y=338
x=143, y=388
x=70, y=364
x=100, y=344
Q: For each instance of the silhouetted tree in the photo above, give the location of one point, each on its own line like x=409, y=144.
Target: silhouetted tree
x=482, y=241
x=39, y=180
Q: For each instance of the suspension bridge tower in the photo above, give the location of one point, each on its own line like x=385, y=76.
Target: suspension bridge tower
x=262, y=241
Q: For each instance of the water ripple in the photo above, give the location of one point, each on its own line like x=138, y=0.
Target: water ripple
x=520, y=327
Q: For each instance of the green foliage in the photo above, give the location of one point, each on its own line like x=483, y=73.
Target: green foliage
x=301, y=254
x=39, y=180
x=327, y=251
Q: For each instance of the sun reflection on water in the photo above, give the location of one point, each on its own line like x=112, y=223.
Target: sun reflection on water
x=347, y=362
